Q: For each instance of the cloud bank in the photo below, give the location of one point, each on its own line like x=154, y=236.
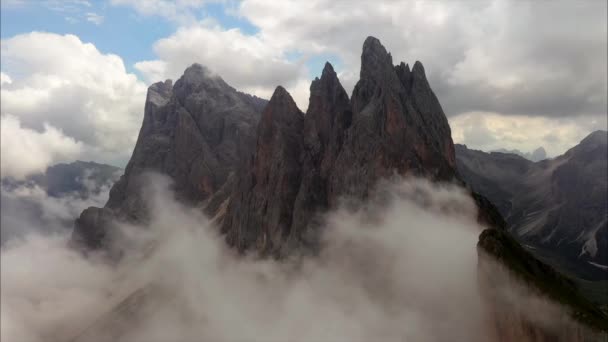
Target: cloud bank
x=402, y=267
x=63, y=99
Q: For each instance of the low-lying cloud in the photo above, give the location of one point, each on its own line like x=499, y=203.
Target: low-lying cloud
x=401, y=267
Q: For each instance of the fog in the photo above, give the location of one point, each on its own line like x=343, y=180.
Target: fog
x=403, y=266
x=26, y=207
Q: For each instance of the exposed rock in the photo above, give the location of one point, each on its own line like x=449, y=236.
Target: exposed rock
x=558, y=206
x=261, y=209
x=393, y=125
x=195, y=132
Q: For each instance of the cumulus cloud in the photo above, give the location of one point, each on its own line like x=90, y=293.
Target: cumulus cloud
x=247, y=62
x=62, y=82
x=503, y=57
x=513, y=53
x=25, y=151
x=404, y=266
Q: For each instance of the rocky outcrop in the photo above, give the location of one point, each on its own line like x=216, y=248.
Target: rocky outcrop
x=518, y=317
x=260, y=211
x=559, y=206
x=196, y=132
x=392, y=125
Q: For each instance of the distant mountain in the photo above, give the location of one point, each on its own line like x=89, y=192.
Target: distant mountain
x=79, y=177
x=50, y=200
x=558, y=207
x=536, y=155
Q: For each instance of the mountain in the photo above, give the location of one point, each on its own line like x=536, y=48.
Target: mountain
x=392, y=125
x=195, y=132
x=50, y=200
x=79, y=177
x=536, y=155
x=557, y=207
x=265, y=172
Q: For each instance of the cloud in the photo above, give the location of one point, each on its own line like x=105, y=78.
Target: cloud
x=94, y=18
x=181, y=11
x=247, y=62
x=402, y=267
x=25, y=151
x=4, y=78
x=479, y=56
x=491, y=131
x=62, y=82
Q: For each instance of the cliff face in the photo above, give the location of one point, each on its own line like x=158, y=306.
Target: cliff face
x=302, y=166
x=558, y=206
x=196, y=132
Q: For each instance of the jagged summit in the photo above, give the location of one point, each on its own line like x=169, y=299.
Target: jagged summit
x=280, y=109
x=393, y=124
x=287, y=166
x=159, y=93
x=280, y=94
x=328, y=69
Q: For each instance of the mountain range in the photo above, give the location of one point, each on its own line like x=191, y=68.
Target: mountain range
x=536, y=155
x=265, y=172
x=48, y=201
x=558, y=208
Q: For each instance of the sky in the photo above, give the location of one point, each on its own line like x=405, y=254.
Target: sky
x=509, y=74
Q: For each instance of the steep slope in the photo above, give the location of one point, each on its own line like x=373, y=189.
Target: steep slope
x=195, y=132
x=393, y=125
x=558, y=206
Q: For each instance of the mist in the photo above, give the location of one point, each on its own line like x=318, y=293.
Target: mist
x=402, y=266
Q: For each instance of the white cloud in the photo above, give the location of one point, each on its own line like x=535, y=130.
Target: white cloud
x=247, y=62
x=25, y=151
x=479, y=57
x=94, y=18
x=4, y=78
x=182, y=11
x=59, y=81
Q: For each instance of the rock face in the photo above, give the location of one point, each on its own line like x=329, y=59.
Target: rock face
x=559, y=207
x=196, y=132
x=392, y=125
x=584, y=321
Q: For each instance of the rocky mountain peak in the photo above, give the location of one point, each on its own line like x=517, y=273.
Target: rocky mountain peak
x=159, y=93
x=328, y=110
x=418, y=75
x=328, y=72
x=281, y=107
x=375, y=60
